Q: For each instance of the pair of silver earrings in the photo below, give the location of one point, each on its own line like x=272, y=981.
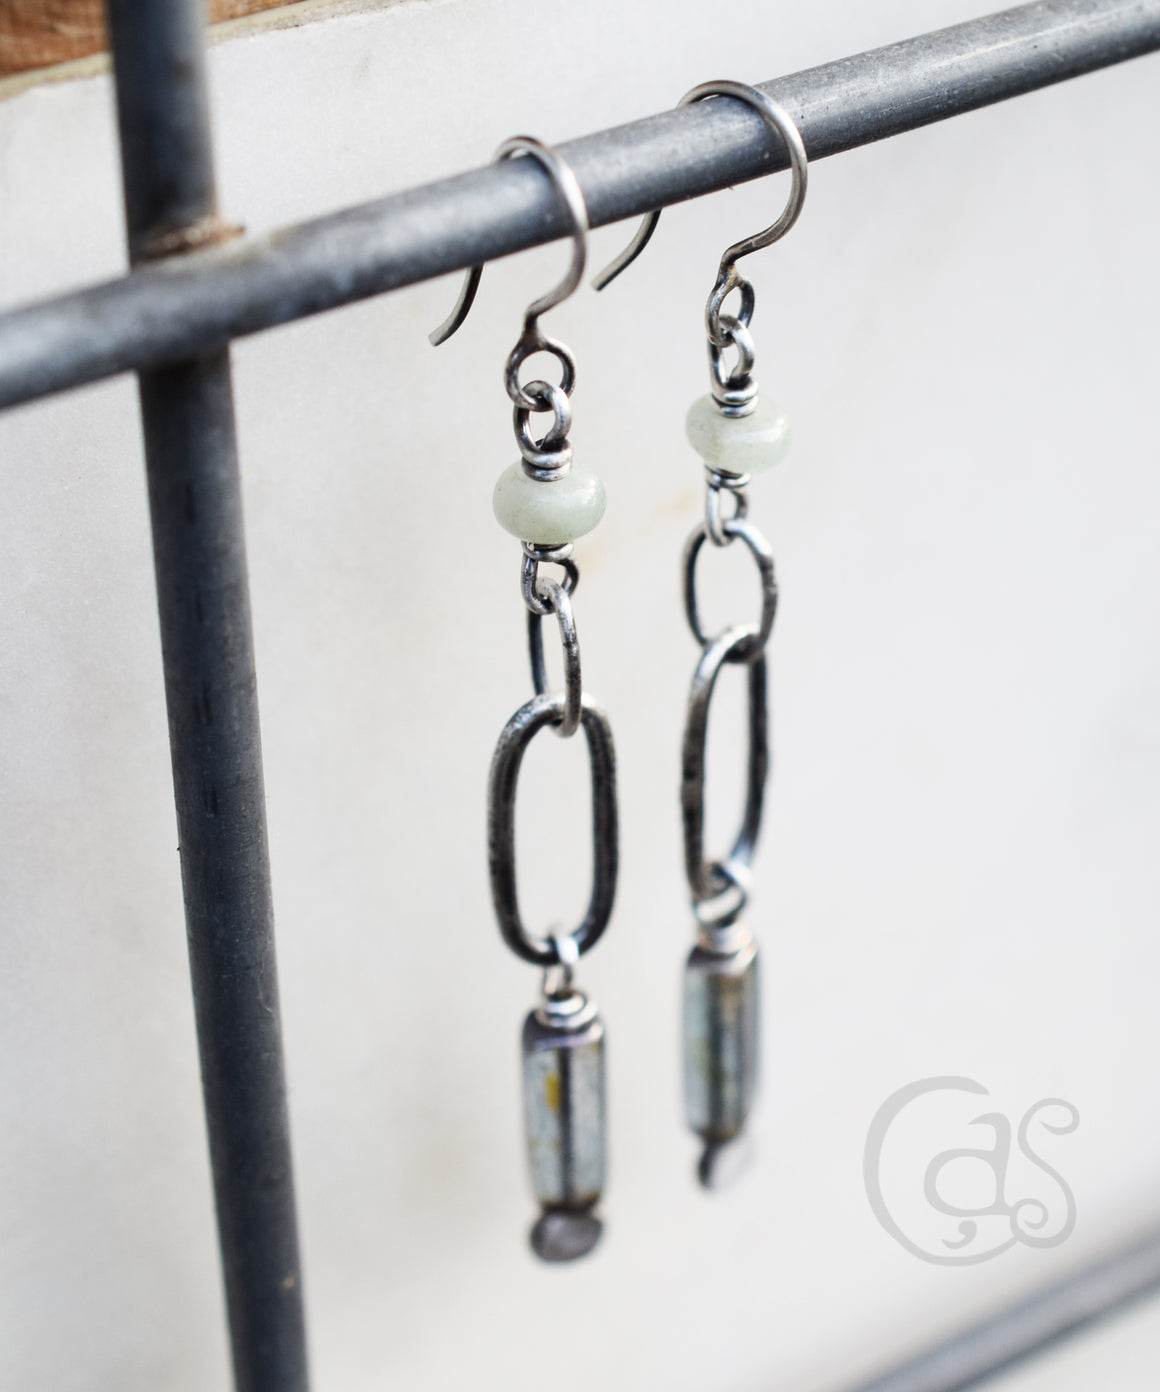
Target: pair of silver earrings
x=548, y=503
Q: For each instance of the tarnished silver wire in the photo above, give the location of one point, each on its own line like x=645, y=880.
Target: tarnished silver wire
x=503, y=782
x=709, y=878
x=734, y=390
x=556, y=597
x=726, y=324
x=731, y=485
x=559, y=980
x=548, y=458
x=779, y=121
x=568, y=188
x=724, y=908
x=537, y=342
x=536, y=556
x=759, y=549
x=544, y=397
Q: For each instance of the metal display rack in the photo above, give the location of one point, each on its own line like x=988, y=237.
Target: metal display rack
x=195, y=285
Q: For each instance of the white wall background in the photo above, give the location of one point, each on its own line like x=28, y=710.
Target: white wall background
x=959, y=873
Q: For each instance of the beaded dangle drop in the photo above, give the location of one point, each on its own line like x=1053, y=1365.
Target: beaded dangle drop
x=737, y=435
x=548, y=502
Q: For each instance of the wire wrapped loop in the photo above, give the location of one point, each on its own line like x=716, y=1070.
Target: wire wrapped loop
x=536, y=556
x=551, y=456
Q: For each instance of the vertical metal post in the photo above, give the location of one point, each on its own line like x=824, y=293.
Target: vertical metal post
x=210, y=688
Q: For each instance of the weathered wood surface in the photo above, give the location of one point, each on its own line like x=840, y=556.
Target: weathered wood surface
x=39, y=33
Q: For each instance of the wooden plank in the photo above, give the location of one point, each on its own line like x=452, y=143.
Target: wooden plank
x=38, y=33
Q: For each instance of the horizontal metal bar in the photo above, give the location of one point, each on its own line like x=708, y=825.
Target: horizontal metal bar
x=1033, y=1326
x=199, y=302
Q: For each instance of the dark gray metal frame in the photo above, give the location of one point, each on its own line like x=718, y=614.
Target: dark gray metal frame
x=195, y=505
x=192, y=290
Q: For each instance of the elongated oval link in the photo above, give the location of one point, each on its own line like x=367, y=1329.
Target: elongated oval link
x=503, y=781
x=556, y=597
x=705, y=878
x=759, y=549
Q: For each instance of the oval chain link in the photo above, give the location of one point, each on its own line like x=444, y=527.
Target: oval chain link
x=709, y=879
x=733, y=528
x=517, y=734
x=556, y=597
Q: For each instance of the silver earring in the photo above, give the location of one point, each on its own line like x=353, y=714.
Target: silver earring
x=548, y=503
x=737, y=436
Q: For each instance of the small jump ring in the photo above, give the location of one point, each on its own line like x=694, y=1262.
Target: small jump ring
x=550, y=456
x=735, y=335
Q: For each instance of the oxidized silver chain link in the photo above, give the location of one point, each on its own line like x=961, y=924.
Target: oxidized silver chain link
x=720, y=888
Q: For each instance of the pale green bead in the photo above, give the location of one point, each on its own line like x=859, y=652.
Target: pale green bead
x=738, y=444
x=548, y=514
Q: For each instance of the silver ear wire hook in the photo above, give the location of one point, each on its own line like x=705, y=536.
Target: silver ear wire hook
x=780, y=123
x=568, y=187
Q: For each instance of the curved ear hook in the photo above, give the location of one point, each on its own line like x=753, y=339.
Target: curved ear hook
x=568, y=187
x=780, y=123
